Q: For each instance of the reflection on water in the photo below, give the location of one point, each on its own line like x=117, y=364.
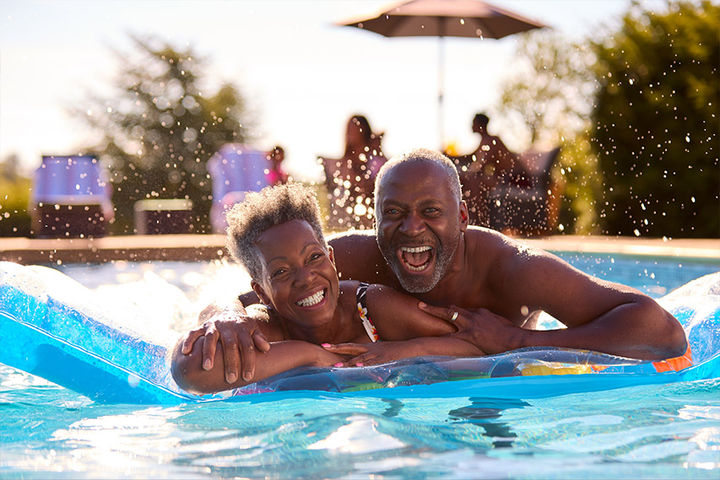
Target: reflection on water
x=669, y=431
x=485, y=413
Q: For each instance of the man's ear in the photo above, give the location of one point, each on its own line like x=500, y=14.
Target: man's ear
x=258, y=289
x=464, y=217
x=331, y=254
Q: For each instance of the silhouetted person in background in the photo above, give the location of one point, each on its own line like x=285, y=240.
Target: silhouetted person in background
x=350, y=179
x=276, y=175
x=491, y=164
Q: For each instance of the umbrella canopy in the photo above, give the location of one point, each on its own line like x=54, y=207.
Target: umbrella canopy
x=444, y=18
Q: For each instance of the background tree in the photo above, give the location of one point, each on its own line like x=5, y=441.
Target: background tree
x=546, y=102
x=656, y=122
x=161, y=127
x=14, y=199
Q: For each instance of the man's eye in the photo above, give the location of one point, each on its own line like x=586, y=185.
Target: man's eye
x=315, y=256
x=391, y=211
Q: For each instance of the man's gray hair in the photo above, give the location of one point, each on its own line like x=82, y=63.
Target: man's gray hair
x=262, y=210
x=423, y=155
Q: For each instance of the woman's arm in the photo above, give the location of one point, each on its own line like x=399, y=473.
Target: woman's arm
x=285, y=355
x=384, y=352
x=397, y=316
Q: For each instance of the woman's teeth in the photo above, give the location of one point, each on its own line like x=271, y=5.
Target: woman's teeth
x=313, y=299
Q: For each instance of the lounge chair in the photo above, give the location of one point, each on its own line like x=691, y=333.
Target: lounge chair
x=235, y=170
x=70, y=198
x=527, y=210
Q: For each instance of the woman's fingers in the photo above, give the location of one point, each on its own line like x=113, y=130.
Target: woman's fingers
x=346, y=348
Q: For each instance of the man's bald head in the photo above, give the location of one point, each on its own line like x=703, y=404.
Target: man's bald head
x=422, y=156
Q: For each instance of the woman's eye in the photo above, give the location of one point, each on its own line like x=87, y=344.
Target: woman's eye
x=277, y=273
x=316, y=255
x=392, y=211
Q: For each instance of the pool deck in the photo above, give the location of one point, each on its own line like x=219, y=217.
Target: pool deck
x=211, y=247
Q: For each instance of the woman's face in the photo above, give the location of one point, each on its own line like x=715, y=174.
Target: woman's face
x=299, y=278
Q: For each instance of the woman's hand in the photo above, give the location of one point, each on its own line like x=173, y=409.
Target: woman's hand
x=362, y=354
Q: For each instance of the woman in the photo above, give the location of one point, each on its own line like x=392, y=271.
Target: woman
x=276, y=235
x=350, y=179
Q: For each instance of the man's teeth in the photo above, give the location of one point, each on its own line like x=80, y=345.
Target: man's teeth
x=424, y=248
x=313, y=299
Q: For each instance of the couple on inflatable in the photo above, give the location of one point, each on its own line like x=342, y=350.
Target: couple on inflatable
x=440, y=287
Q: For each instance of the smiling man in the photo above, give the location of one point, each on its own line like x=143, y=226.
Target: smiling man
x=494, y=285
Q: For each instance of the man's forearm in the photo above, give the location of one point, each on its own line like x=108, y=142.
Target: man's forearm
x=640, y=330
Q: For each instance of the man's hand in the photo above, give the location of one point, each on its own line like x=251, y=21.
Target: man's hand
x=239, y=335
x=489, y=332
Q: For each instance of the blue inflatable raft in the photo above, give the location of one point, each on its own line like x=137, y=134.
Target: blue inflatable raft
x=49, y=331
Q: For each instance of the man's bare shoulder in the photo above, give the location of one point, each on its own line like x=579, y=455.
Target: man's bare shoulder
x=364, y=239
x=491, y=248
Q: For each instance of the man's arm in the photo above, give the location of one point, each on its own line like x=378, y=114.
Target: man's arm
x=600, y=315
x=188, y=372
x=238, y=331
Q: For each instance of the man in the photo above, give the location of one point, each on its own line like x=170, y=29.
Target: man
x=491, y=163
x=493, y=286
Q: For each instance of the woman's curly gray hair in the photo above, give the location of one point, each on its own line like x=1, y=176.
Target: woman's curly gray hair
x=262, y=210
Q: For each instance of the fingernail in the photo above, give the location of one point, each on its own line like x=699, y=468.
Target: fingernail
x=422, y=304
x=247, y=376
x=359, y=364
x=232, y=377
x=207, y=365
x=325, y=345
x=339, y=364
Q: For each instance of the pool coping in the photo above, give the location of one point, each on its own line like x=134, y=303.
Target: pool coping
x=212, y=247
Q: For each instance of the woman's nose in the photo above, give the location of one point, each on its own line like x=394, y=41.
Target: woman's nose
x=303, y=275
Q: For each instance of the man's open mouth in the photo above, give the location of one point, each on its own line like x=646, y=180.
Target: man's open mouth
x=312, y=300
x=416, y=259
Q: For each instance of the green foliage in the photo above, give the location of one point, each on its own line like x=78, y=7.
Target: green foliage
x=161, y=128
x=547, y=99
x=656, y=122
x=15, y=187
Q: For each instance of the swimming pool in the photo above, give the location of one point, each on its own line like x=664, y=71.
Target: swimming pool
x=665, y=431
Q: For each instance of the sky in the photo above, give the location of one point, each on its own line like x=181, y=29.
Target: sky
x=303, y=76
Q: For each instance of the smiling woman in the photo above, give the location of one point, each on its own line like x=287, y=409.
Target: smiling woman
x=276, y=234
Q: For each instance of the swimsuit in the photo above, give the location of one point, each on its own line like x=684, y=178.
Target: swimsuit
x=361, y=297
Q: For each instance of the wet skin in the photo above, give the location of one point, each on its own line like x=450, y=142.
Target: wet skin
x=419, y=226
x=496, y=284
x=311, y=306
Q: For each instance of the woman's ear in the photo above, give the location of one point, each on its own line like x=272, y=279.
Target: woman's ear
x=260, y=292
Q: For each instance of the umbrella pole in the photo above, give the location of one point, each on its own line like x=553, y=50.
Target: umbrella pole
x=441, y=88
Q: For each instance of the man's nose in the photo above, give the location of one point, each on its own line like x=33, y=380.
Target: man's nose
x=412, y=224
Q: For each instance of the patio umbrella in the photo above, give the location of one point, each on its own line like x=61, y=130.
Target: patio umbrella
x=444, y=18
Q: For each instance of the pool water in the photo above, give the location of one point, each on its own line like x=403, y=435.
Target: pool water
x=667, y=431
